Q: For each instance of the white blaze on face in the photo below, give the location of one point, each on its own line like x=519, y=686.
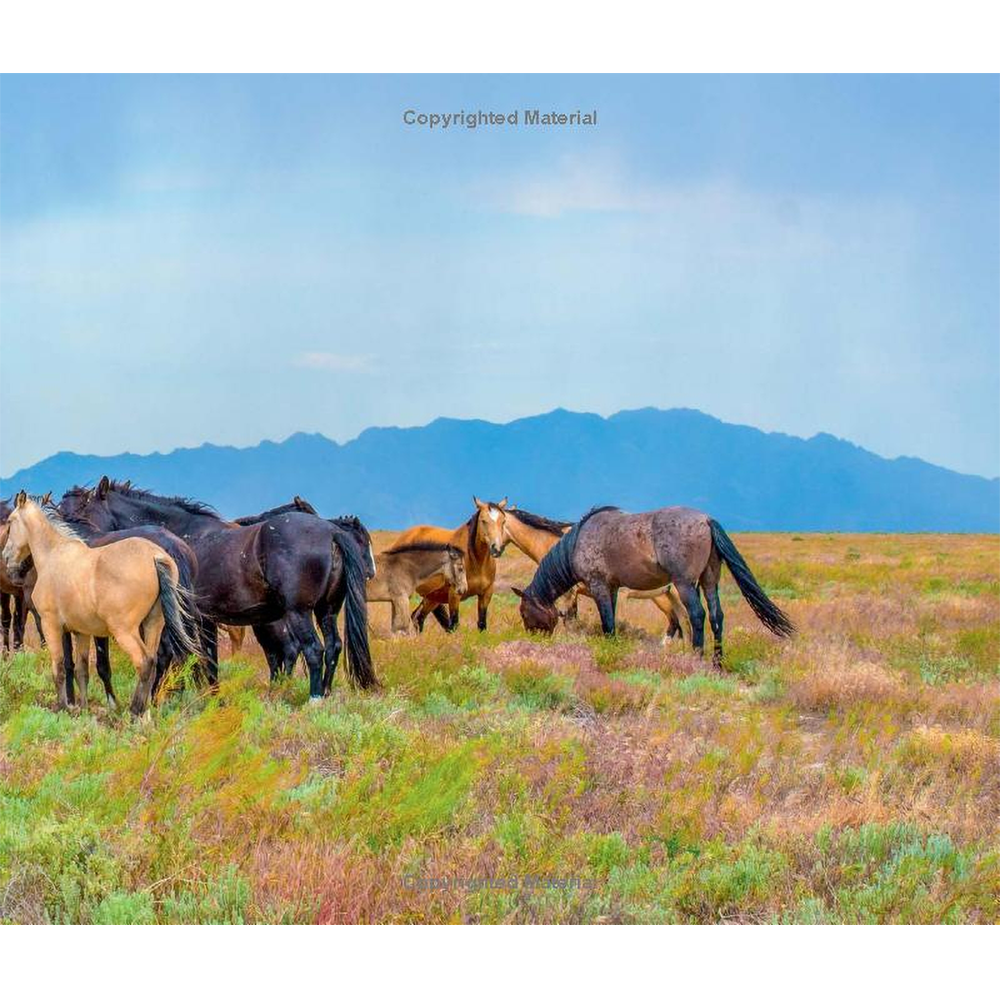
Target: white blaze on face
x=494, y=514
x=371, y=556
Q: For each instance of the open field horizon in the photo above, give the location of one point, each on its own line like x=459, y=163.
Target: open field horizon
x=851, y=774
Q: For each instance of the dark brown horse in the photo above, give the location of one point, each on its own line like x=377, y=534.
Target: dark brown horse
x=285, y=567
x=276, y=639
x=610, y=549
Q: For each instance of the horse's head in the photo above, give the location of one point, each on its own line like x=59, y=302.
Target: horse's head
x=94, y=506
x=490, y=527
x=455, y=572
x=352, y=524
x=537, y=617
x=16, y=545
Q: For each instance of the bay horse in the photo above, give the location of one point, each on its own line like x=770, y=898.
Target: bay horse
x=128, y=589
x=535, y=535
x=609, y=549
x=402, y=568
x=291, y=566
x=481, y=543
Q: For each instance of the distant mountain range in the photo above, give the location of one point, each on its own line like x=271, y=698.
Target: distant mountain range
x=560, y=464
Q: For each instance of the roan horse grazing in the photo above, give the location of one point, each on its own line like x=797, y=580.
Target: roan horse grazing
x=480, y=541
x=401, y=569
x=610, y=549
x=127, y=589
x=291, y=566
x=535, y=535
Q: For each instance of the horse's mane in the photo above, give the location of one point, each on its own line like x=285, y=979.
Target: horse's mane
x=285, y=508
x=554, y=575
x=541, y=523
x=55, y=517
x=397, y=550
x=185, y=503
x=473, y=526
x=353, y=526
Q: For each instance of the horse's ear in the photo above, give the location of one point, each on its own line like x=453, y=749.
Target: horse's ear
x=128, y=484
x=102, y=487
x=46, y=499
x=21, y=499
x=479, y=503
x=518, y=591
x=503, y=503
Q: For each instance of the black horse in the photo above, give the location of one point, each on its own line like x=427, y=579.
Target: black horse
x=289, y=566
x=277, y=640
x=187, y=566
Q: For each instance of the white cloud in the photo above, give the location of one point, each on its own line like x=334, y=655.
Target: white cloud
x=328, y=362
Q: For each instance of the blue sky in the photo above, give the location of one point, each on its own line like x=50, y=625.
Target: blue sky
x=226, y=259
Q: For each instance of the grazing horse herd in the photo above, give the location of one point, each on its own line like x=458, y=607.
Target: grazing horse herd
x=161, y=575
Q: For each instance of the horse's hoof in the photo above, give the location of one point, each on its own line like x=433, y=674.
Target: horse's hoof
x=315, y=699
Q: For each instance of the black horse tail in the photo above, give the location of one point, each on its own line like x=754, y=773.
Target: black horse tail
x=177, y=602
x=357, y=652
x=763, y=607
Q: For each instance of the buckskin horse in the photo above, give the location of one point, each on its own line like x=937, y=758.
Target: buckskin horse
x=291, y=566
x=609, y=549
x=481, y=543
x=127, y=589
x=187, y=567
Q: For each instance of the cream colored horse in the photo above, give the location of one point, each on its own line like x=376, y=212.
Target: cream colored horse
x=127, y=590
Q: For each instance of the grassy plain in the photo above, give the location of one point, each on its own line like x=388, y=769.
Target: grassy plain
x=849, y=775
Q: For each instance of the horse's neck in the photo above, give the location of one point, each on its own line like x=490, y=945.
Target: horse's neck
x=557, y=579
x=181, y=522
x=533, y=542
x=44, y=540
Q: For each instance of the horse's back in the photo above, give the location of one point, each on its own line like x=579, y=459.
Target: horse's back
x=426, y=533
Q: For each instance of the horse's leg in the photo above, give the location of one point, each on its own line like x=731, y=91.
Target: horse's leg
x=606, y=599
x=443, y=617
x=663, y=602
x=42, y=640
x=5, y=619
x=429, y=605
x=102, y=648
x=210, y=647
x=20, y=618
x=454, y=608
x=82, y=667
x=710, y=584
x=688, y=593
x=483, y=607
x=145, y=668
x=274, y=652
x=326, y=615
x=68, y=669
x=401, y=623
x=573, y=605
x=52, y=630
x=300, y=624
